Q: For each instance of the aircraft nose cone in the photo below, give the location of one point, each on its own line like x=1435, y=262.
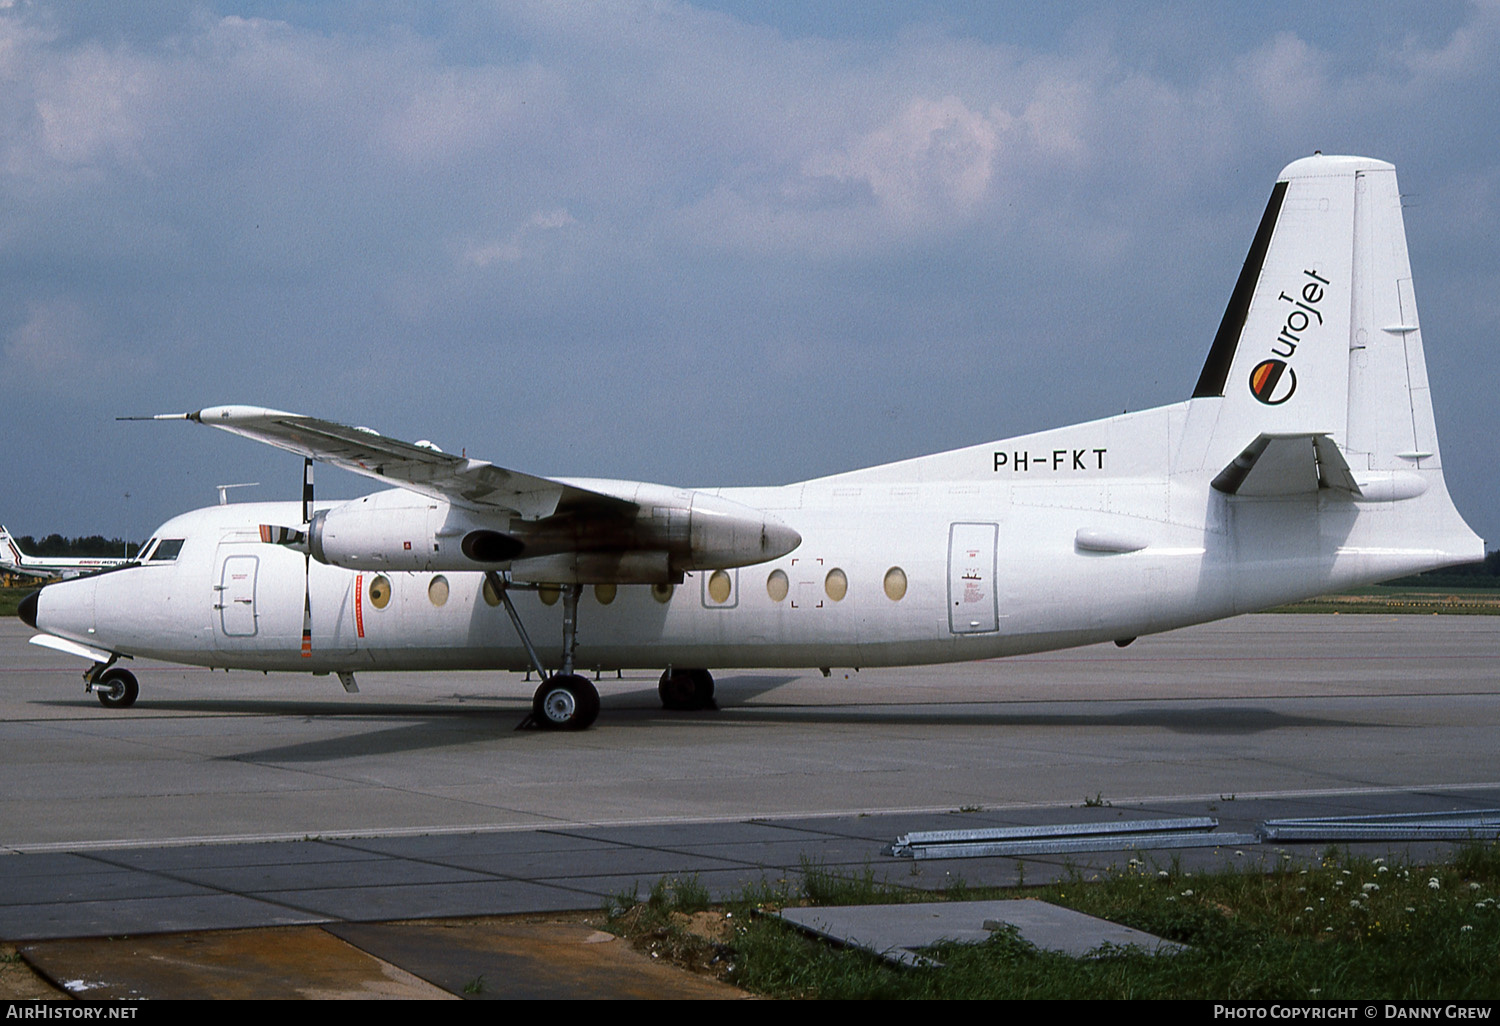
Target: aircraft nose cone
x=27, y=609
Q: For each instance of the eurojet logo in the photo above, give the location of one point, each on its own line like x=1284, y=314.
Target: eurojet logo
x=1273, y=381
x=1267, y=380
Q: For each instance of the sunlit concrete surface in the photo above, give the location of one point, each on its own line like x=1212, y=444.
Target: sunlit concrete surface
x=281, y=808
x=1258, y=705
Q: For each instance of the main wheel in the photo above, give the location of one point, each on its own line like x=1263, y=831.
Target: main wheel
x=565, y=701
x=686, y=690
x=117, y=689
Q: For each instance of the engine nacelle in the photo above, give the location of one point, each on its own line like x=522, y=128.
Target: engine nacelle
x=401, y=530
x=671, y=531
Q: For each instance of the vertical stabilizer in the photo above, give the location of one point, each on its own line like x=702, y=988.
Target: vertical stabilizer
x=1280, y=361
x=1316, y=383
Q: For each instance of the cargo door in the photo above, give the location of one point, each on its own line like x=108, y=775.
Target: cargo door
x=973, y=607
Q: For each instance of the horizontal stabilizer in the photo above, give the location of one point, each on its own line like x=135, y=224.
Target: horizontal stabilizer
x=1282, y=465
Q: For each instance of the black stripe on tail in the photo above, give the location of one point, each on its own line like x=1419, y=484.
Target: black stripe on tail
x=1216, y=369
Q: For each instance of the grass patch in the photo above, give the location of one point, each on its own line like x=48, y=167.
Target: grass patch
x=1345, y=928
x=1391, y=598
x=10, y=598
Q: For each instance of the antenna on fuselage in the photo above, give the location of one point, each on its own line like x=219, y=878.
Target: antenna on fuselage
x=224, y=490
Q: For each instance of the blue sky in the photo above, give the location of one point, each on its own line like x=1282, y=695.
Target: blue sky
x=714, y=243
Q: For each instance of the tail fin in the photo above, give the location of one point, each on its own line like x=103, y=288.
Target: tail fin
x=1321, y=336
x=10, y=552
x=1318, y=361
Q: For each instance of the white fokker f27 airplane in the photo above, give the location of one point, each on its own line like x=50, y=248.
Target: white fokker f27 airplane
x=14, y=561
x=1306, y=461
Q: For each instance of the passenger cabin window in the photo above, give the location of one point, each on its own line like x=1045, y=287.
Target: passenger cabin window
x=167, y=550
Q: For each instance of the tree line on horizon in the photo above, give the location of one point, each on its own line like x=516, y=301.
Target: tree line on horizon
x=93, y=545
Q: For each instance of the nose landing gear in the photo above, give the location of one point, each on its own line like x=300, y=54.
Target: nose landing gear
x=117, y=689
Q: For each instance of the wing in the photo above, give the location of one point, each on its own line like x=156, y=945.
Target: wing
x=421, y=467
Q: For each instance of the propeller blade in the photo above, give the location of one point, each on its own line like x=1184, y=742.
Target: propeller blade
x=290, y=537
x=307, y=513
x=306, y=608
x=307, y=491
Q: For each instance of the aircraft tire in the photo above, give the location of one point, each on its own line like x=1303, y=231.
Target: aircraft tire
x=117, y=689
x=565, y=701
x=686, y=690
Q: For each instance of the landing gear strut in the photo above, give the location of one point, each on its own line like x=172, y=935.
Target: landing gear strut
x=565, y=700
x=686, y=690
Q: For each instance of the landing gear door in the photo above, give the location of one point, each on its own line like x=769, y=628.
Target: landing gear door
x=235, y=595
x=972, y=602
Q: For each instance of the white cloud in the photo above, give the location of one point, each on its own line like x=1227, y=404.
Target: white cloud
x=59, y=346
x=512, y=248
x=934, y=158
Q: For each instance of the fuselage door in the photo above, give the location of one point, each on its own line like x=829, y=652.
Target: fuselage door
x=236, y=595
x=972, y=603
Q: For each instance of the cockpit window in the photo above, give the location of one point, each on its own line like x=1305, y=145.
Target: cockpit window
x=145, y=552
x=167, y=550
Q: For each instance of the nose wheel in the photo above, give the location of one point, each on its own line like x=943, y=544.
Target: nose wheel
x=117, y=689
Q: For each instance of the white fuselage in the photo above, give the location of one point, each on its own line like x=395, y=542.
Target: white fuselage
x=1052, y=540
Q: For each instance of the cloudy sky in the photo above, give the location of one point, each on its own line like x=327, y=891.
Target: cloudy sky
x=699, y=243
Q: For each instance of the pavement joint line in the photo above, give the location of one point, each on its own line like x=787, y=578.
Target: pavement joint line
x=768, y=818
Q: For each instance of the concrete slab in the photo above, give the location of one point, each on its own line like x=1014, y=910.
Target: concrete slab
x=445, y=846
x=413, y=901
x=302, y=962
x=264, y=879
x=618, y=860
x=144, y=916
x=282, y=853
x=105, y=884
x=504, y=959
x=899, y=932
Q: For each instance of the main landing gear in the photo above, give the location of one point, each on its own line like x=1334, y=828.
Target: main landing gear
x=568, y=701
x=686, y=690
x=565, y=700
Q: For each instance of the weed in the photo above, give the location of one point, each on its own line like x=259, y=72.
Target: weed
x=821, y=886
x=679, y=894
x=475, y=986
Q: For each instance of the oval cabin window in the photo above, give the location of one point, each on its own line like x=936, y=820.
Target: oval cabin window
x=380, y=591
